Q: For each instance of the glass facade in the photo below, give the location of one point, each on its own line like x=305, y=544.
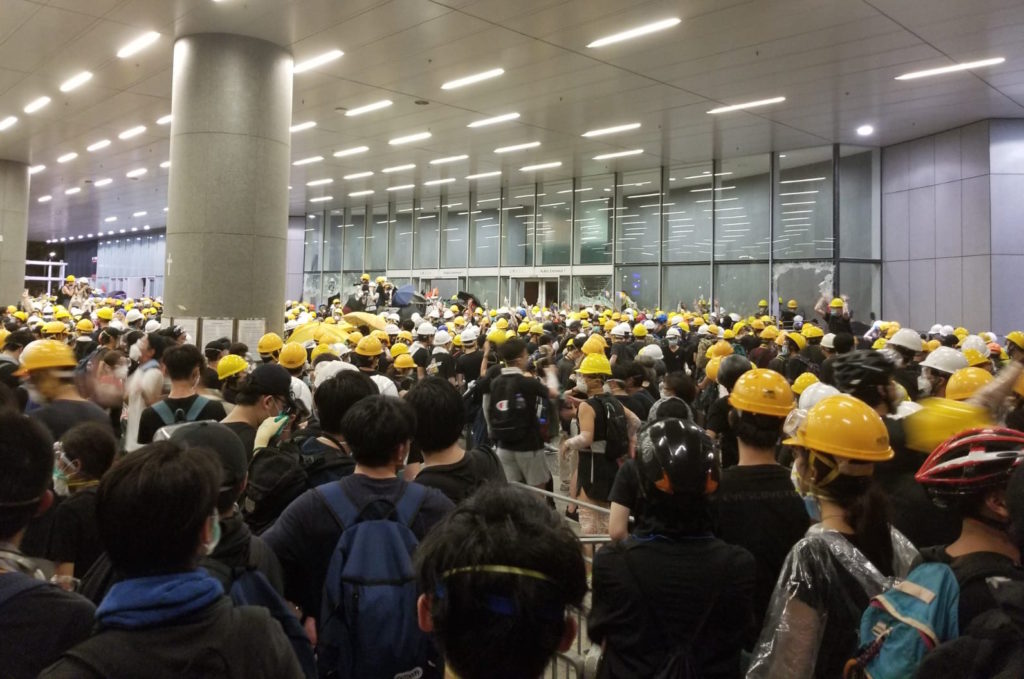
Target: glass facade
x=799, y=224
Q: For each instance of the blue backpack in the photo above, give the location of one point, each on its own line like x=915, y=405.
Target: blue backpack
x=368, y=623
x=902, y=624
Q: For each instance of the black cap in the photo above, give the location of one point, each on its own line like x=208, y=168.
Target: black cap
x=272, y=380
x=221, y=440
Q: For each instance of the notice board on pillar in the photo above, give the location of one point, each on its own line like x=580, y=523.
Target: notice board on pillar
x=250, y=330
x=190, y=325
x=216, y=328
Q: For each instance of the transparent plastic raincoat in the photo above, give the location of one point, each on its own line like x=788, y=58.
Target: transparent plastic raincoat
x=812, y=624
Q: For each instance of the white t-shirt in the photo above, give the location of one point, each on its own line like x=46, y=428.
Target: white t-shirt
x=148, y=380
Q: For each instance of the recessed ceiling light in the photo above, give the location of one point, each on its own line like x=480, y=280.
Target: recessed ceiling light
x=111, y=233
x=7, y=122
x=37, y=104
x=309, y=124
x=165, y=209
x=163, y=120
x=449, y=159
x=351, y=152
x=134, y=229
x=320, y=182
x=166, y=164
x=865, y=130
x=320, y=60
x=141, y=213
x=36, y=169
x=102, y=182
x=402, y=187
x=45, y=199
x=518, y=147
x=110, y=219
x=481, y=175
x=636, y=32
x=377, y=105
x=541, y=166
x=308, y=161
x=358, y=175
x=356, y=194
x=72, y=191
x=611, y=130
x=76, y=81
x=321, y=199
x=619, y=154
x=397, y=141
x=145, y=227
x=749, y=104
x=67, y=157
x=132, y=132
x=951, y=69
x=470, y=79
x=138, y=44
x=434, y=182
x=101, y=144
x=492, y=121
x=136, y=173
x=398, y=168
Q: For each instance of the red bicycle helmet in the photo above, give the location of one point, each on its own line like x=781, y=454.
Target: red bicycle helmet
x=971, y=462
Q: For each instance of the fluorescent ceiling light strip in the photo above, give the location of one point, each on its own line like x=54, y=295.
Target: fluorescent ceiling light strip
x=356, y=194
x=102, y=144
x=35, y=169
x=102, y=182
x=320, y=60
x=802, y=202
x=746, y=105
x=132, y=132
x=44, y=199
x=110, y=219
x=517, y=147
x=75, y=81
x=541, y=166
x=166, y=164
x=494, y=120
x=449, y=159
x=481, y=175
x=642, y=195
x=138, y=44
x=611, y=130
x=299, y=127
x=67, y=157
x=141, y=213
x=951, y=69
x=375, y=106
x=308, y=161
x=72, y=191
x=164, y=120
x=475, y=78
x=8, y=122
x=320, y=182
x=409, y=138
x=321, y=199
x=402, y=187
x=797, y=193
x=806, y=179
x=398, y=168
x=619, y=154
x=434, y=182
x=136, y=173
x=351, y=151
x=36, y=104
x=636, y=32
x=357, y=175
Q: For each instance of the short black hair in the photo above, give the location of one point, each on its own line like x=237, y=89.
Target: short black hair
x=375, y=427
x=512, y=349
x=843, y=342
x=26, y=467
x=93, y=444
x=484, y=620
x=681, y=385
x=18, y=339
x=151, y=507
x=181, y=360
x=159, y=343
x=239, y=349
x=335, y=396
x=440, y=413
x=360, y=361
x=756, y=429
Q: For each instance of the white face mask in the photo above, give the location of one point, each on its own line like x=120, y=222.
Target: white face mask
x=135, y=353
x=665, y=393
x=924, y=385
x=581, y=387
x=121, y=372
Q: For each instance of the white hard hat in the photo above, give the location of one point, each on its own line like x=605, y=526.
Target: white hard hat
x=653, y=351
x=391, y=329
x=433, y=313
x=416, y=318
x=152, y=326
x=798, y=319
x=816, y=392
x=945, y=359
x=908, y=339
x=448, y=314
x=291, y=325
x=946, y=331
x=426, y=329
x=470, y=334
x=133, y=315
x=673, y=332
x=325, y=370
x=829, y=340
x=441, y=338
x=621, y=330
x=977, y=343
x=703, y=330
x=935, y=329
x=649, y=324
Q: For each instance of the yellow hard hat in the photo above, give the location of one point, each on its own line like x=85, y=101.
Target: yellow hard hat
x=836, y=303
x=940, y=418
x=456, y=340
x=964, y=382
x=763, y=302
x=769, y=333
x=62, y=314
x=730, y=333
x=404, y=361
x=501, y=324
x=811, y=331
x=232, y=364
x=721, y=349
x=54, y=328
x=459, y=321
x=382, y=336
x=293, y=355
x=524, y=328
x=713, y=330
x=711, y=369
x=595, y=364
x=845, y=427
x=510, y=333
x=365, y=277
x=762, y=391
x=405, y=335
x=496, y=337
x=21, y=316
x=45, y=354
x=69, y=279
x=974, y=358
x=320, y=350
x=84, y=326
x=594, y=344
x=805, y=380
x=269, y=343
x=398, y=350
x=798, y=339
x=791, y=304
x=331, y=320
x=369, y=346
x=757, y=324
x=536, y=329
x=106, y=314
x=878, y=344
x=354, y=338
x=1017, y=337
x=609, y=325
x=454, y=308
x=639, y=330
x=932, y=345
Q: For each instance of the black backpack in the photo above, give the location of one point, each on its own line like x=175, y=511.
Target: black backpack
x=616, y=432
x=510, y=416
x=278, y=475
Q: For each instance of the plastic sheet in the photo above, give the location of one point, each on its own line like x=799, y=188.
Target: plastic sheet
x=818, y=600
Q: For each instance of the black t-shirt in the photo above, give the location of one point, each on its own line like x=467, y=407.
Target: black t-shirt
x=60, y=415
x=757, y=508
x=643, y=401
x=38, y=625
x=420, y=356
x=718, y=422
x=150, y=421
x=461, y=479
x=626, y=489
x=468, y=365
x=644, y=609
x=247, y=433
x=674, y=360
x=441, y=364
x=971, y=570
x=532, y=391
x=75, y=537
x=305, y=535
x=622, y=352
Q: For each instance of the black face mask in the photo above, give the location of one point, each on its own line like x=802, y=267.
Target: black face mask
x=267, y=359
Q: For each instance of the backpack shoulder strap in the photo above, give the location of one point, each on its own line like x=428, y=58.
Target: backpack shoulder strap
x=338, y=503
x=196, y=408
x=13, y=584
x=409, y=504
x=164, y=411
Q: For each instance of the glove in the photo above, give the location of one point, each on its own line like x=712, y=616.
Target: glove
x=270, y=428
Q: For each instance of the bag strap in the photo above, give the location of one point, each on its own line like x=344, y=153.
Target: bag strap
x=409, y=504
x=14, y=583
x=164, y=411
x=338, y=503
x=196, y=408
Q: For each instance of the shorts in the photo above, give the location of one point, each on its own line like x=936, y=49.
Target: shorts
x=525, y=466
x=592, y=522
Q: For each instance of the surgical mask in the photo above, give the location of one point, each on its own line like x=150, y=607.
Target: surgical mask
x=135, y=353
x=785, y=350
x=607, y=388
x=673, y=342
x=665, y=393
x=60, y=482
x=581, y=387
x=924, y=385
x=208, y=547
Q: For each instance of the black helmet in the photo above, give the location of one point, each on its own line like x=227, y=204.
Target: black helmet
x=860, y=369
x=730, y=369
x=676, y=457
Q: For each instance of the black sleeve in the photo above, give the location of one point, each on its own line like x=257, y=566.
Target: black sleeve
x=64, y=537
x=626, y=485
x=149, y=422
x=614, y=605
x=718, y=416
x=214, y=410
x=422, y=358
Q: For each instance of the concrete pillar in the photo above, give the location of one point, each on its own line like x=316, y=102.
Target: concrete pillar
x=227, y=222
x=13, y=229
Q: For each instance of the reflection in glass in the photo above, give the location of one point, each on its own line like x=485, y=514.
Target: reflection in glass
x=311, y=288
x=377, y=237
x=595, y=201
x=426, y=229
x=455, y=232
x=311, y=245
x=353, y=233
x=400, y=251
x=685, y=286
x=738, y=287
x=485, y=220
x=860, y=233
x=554, y=223
x=485, y=288
x=518, y=208
x=803, y=214
x=334, y=237
x=592, y=290
x=638, y=286
x=686, y=218
x=862, y=282
x=639, y=217
x=741, y=195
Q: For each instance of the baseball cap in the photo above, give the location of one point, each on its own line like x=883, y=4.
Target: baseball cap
x=271, y=379
x=222, y=441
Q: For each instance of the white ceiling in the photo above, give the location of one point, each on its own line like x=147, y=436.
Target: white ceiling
x=833, y=60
